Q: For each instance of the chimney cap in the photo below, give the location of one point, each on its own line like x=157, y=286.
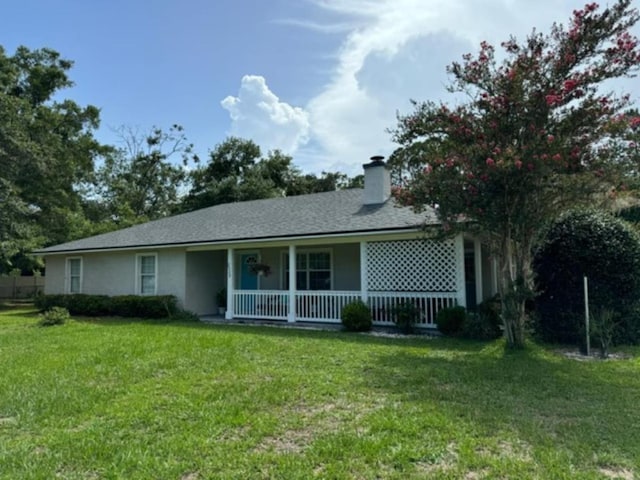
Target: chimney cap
x=376, y=161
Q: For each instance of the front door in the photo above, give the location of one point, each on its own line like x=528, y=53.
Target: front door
x=248, y=279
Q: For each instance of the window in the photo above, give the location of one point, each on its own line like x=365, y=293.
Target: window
x=146, y=279
x=313, y=270
x=74, y=275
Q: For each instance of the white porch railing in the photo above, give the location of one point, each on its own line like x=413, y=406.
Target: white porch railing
x=326, y=306
x=383, y=305
x=267, y=304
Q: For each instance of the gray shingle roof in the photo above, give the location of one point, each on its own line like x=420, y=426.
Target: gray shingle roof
x=327, y=213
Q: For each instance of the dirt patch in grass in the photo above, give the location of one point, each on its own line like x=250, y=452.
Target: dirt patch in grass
x=290, y=441
x=617, y=473
x=595, y=355
x=518, y=450
x=190, y=476
x=443, y=464
x=5, y=421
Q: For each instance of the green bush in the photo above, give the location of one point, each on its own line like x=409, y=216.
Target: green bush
x=607, y=251
x=484, y=323
x=406, y=315
x=186, y=316
x=158, y=306
x=54, y=316
x=356, y=317
x=450, y=320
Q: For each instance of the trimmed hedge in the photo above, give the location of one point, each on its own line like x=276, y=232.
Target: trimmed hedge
x=158, y=306
x=607, y=251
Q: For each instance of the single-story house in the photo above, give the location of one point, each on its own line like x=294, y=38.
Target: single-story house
x=295, y=259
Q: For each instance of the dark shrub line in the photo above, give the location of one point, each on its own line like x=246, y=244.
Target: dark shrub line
x=158, y=306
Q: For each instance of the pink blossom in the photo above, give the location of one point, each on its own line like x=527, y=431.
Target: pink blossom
x=553, y=100
x=570, y=85
x=450, y=162
x=634, y=122
x=490, y=162
x=550, y=138
x=557, y=157
x=518, y=164
x=427, y=170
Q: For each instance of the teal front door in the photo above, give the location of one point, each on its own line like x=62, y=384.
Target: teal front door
x=248, y=279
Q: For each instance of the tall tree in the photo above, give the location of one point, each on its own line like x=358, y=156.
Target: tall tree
x=237, y=172
x=47, y=150
x=531, y=139
x=141, y=181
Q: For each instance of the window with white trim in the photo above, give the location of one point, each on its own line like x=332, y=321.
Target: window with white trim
x=147, y=268
x=74, y=275
x=313, y=270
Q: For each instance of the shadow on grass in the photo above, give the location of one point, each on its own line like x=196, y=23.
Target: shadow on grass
x=278, y=330
x=586, y=408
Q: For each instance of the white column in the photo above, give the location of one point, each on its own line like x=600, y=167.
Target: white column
x=461, y=296
x=477, y=258
x=292, y=284
x=364, y=283
x=230, y=283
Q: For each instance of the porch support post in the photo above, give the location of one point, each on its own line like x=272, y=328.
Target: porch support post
x=291, y=317
x=230, y=283
x=461, y=296
x=477, y=258
x=364, y=283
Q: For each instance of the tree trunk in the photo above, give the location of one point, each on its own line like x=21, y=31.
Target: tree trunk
x=514, y=288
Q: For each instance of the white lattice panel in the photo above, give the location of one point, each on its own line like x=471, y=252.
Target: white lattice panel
x=411, y=266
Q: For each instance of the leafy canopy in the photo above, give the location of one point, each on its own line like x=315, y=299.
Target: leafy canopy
x=534, y=136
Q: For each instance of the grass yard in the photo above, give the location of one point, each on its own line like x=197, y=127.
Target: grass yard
x=149, y=400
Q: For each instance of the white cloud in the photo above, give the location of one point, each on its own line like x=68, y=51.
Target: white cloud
x=401, y=53
x=393, y=51
x=257, y=113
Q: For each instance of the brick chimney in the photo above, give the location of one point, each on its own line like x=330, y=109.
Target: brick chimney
x=377, y=181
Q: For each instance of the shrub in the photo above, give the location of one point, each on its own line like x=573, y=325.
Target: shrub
x=356, y=317
x=607, y=251
x=158, y=306
x=54, y=316
x=450, y=320
x=406, y=315
x=484, y=323
x=185, y=316
x=603, y=326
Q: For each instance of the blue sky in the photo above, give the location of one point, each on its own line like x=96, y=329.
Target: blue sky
x=319, y=79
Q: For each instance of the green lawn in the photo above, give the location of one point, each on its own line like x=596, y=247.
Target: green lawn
x=151, y=400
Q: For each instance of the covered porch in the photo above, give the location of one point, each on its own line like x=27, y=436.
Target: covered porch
x=324, y=276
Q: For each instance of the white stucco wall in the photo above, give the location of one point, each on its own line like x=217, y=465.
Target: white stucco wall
x=346, y=267
x=54, y=275
x=206, y=275
x=114, y=273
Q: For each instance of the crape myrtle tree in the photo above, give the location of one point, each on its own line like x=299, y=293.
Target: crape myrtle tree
x=531, y=137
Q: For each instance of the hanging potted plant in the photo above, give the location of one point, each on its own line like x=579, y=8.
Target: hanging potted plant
x=260, y=269
x=221, y=300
